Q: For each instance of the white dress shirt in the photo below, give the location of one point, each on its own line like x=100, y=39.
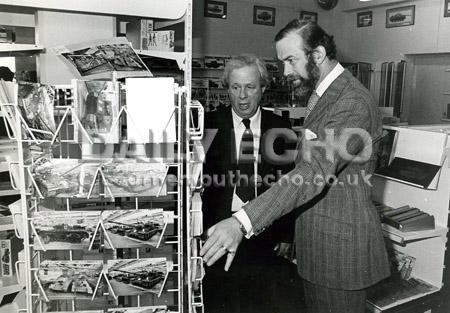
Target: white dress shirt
x=239, y=128
x=320, y=90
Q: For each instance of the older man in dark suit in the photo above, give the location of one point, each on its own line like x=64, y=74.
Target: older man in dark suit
x=339, y=243
x=261, y=280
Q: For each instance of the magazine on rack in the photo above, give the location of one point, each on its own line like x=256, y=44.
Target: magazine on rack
x=97, y=59
x=137, y=276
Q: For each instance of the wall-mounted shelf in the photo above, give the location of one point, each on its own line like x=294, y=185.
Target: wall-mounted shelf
x=172, y=9
x=17, y=47
x=177, y=56
x=6, y=223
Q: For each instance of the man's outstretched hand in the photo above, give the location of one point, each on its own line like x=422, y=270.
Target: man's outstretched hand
x=223, y=238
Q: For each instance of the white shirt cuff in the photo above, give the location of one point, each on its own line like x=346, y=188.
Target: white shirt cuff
x=245, y=221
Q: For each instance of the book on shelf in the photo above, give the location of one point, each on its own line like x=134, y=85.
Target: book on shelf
x=405, y=218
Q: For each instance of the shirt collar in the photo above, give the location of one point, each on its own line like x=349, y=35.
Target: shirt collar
x=237, y=120
x=329, y=79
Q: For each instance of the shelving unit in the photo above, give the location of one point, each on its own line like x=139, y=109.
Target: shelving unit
x=424, y=144
x=17, y=47
x=182, y=290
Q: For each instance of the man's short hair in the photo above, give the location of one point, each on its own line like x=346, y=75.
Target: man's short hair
x=312, y=34
x=244, y=60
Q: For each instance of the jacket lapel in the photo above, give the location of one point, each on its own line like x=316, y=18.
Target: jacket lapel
x=328, y=98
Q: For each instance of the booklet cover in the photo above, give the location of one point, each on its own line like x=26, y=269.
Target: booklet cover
x=97, y=59
x=111, y=177
x=98, y=110
x=69, y=279
x=35, y=102
x=137, y=276
x=135, y=228
x=63, y=230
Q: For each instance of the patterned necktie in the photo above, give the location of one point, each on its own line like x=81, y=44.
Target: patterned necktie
x=311, y=103
x=246, y=191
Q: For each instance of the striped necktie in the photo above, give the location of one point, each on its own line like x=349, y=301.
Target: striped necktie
x=311, y=103
x=246, y=191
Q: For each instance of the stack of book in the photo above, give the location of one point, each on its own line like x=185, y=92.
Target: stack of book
x=406, y=218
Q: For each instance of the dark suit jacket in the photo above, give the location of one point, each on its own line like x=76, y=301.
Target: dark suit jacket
x=220, y=160
x=258, y=281
x=339, y=242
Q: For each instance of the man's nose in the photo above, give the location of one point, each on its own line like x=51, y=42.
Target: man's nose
x=287, y=70
x=243, y=93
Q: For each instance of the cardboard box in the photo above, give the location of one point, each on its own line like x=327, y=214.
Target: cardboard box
x=162, y=40
x=5, y=258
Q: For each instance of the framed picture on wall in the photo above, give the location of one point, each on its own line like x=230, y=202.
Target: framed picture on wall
x=402, y=16
x=309, y=16
x=263, y=15
x=364, y=19
x=447, y=8
x=217, y=9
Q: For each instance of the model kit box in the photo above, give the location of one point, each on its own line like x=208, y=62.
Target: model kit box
x=146, y=33
x=9, y=249
x=162, y=40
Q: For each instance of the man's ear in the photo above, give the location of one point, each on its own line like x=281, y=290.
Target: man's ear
x=319, y=54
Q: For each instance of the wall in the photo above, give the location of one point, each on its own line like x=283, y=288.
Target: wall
x=429, y=34
x=57, y=28
x=237, y=33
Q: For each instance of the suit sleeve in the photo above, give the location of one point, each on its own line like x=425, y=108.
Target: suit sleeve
x=297, y=187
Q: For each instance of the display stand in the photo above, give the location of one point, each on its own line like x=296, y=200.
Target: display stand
x=91, y=268
x=394, y=187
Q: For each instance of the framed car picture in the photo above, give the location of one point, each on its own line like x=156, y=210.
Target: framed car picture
x=402, y=16
x=447, y=8
x=364, y=19
x=217, y=9
x=263, y=15
x=309, y=16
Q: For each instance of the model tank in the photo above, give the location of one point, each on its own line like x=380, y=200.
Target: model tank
x=140, y=231
x=64, y=233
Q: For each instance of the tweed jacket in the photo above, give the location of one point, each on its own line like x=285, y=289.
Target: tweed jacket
x=221, y=162
x=339, y=243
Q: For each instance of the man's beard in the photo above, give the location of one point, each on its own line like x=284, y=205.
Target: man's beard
x=303, y=87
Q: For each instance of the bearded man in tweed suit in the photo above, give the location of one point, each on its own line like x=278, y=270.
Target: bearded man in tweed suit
x=339, y=243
